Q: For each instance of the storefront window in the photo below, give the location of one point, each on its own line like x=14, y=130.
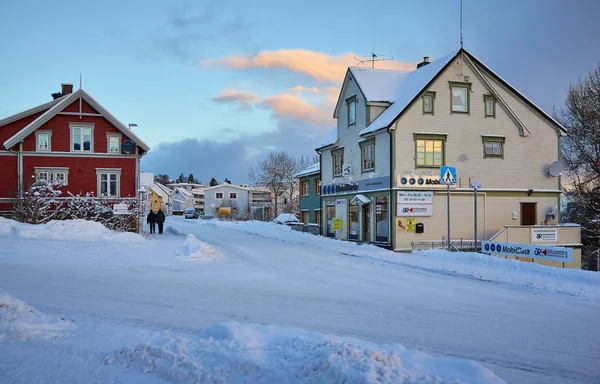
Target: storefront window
x=381, y=217
x=353, y=235
x=330, y=216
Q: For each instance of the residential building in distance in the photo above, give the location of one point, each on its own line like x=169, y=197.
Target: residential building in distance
x=396, y=130
x=310, y=194
x=72, y=139
x=161, y=197
x=182, y=200
x=197, y=191
x=247, y=201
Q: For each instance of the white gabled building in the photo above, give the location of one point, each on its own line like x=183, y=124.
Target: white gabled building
x=380, y=173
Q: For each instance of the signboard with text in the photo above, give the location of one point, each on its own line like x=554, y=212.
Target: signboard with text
x=414, y=210
x=415, y=197
x=337, y=224
x=121, y=209
x=543, y=235
x=534, y=251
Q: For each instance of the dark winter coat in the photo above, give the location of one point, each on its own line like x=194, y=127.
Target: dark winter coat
x=160, y=217
x=151, y=218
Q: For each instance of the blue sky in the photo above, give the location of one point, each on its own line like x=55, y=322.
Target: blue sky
x=213, y=86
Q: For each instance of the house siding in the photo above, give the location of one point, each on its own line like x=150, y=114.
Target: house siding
x=82, y=176
x=9, y=130
x=523, y=166
x=209, y=199
x=8, y=181
x=85, y=107
x=312, y=201
x=61, y=133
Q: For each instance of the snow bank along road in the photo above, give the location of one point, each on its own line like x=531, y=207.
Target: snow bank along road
x=525, y=325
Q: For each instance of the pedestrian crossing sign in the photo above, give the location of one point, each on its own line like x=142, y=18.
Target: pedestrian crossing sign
x=448, y=175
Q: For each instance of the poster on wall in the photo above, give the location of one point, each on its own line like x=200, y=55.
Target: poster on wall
x=410, y=224
x=337, y=224
x=400, y=225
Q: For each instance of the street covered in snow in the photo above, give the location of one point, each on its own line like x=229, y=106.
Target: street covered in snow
x=231, y=302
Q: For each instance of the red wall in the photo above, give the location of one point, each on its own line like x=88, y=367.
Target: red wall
x=85, y=107
x=61, y=139
x=9, y=130
x=82, y=172
x=8, y=181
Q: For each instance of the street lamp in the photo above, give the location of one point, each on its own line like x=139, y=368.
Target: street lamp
x=131, y=125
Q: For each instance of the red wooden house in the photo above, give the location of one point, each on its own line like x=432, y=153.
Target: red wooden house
x=72, y=139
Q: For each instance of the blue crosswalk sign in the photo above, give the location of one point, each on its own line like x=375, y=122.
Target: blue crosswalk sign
x=448, y=175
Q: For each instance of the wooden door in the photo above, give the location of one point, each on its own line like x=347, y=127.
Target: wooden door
x=366, y=223
x=528, y=214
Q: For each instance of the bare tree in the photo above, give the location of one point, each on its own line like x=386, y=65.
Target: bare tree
x=580, y=154
x=275, y=172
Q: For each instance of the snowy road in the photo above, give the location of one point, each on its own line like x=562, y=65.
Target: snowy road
x=523, y=335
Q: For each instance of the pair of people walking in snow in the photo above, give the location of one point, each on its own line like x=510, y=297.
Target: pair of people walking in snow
x=156, y=218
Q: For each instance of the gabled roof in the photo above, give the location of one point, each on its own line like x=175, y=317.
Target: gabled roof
x=313, y=169
x=184, y=192
x=29, y=112
x=407, y=88
x=62, y=103
x=227, y=185
x=410, y=86
x=377, y=84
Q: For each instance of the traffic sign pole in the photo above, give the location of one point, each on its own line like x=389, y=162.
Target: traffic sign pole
x=448, y=204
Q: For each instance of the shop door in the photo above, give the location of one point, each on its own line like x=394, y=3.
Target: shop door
x=528, y=213
x=366, y=223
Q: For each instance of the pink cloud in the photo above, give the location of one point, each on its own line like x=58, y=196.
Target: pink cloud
x=318, y=65
x=231, y=96
x=291, y=107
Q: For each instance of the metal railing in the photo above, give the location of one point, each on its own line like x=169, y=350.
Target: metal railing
x=456, y=245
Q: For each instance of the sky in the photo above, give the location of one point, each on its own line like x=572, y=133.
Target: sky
x=214, y=86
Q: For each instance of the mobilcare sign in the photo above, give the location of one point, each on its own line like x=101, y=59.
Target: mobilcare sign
x=561, y=254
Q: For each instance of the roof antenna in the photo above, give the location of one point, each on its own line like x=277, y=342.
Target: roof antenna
x=372, y=57
x=461, y=35
x=80, y=80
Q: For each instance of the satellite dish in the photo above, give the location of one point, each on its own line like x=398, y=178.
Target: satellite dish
x=128, y=147
x=555, y=168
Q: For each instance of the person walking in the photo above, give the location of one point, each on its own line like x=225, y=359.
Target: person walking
x=151, y=219
x=160, y=219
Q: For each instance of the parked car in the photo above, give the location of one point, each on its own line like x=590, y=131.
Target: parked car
x=287, y=218
x=191, y=213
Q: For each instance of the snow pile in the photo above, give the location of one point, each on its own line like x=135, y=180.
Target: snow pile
x=196, y=250
x=82, y=230
x=235, y=353
x=18, y=321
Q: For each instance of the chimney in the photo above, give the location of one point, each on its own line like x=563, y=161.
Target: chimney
x=66, y=88
x=424, y=62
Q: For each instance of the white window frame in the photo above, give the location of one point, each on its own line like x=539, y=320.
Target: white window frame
x=367, y=156
x=351, y=101
x=51, y=174
x=233, y=195
x=37, y=141
x=119, y=137
x=337, y=165
x=72, y=127
x=467, y=89
x=305, y=191
x=217, y=195
x=108, y=171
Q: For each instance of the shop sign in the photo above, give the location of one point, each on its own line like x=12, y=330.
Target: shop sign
x=363, y=185
x=341, y=202
x=542, y=235
x=418, y=181
x=561, y=254
x=414, y=210
x=415, y=197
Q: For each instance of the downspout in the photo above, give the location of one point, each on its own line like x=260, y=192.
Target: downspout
x=19, y=169
x=391, y=211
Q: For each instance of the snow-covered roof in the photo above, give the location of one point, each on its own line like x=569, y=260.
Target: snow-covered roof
x=164, y=188
x=159, y=191
x=62, y=104
x=315, y=168
x=407, y=87
x=184, y=192
x=227, y=185
x=185, y=185
x=329, y=139
x=377, y=84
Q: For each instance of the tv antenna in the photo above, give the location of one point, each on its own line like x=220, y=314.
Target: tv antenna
x=461, y=14
x=372, y=58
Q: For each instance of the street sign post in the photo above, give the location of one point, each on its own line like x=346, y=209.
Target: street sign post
x=476, y=185
x=448, y=177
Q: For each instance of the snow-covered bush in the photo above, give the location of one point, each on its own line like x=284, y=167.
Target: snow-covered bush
x=42, y=202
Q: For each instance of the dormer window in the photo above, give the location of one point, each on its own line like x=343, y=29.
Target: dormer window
x=113, y=141
x=351, y=103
